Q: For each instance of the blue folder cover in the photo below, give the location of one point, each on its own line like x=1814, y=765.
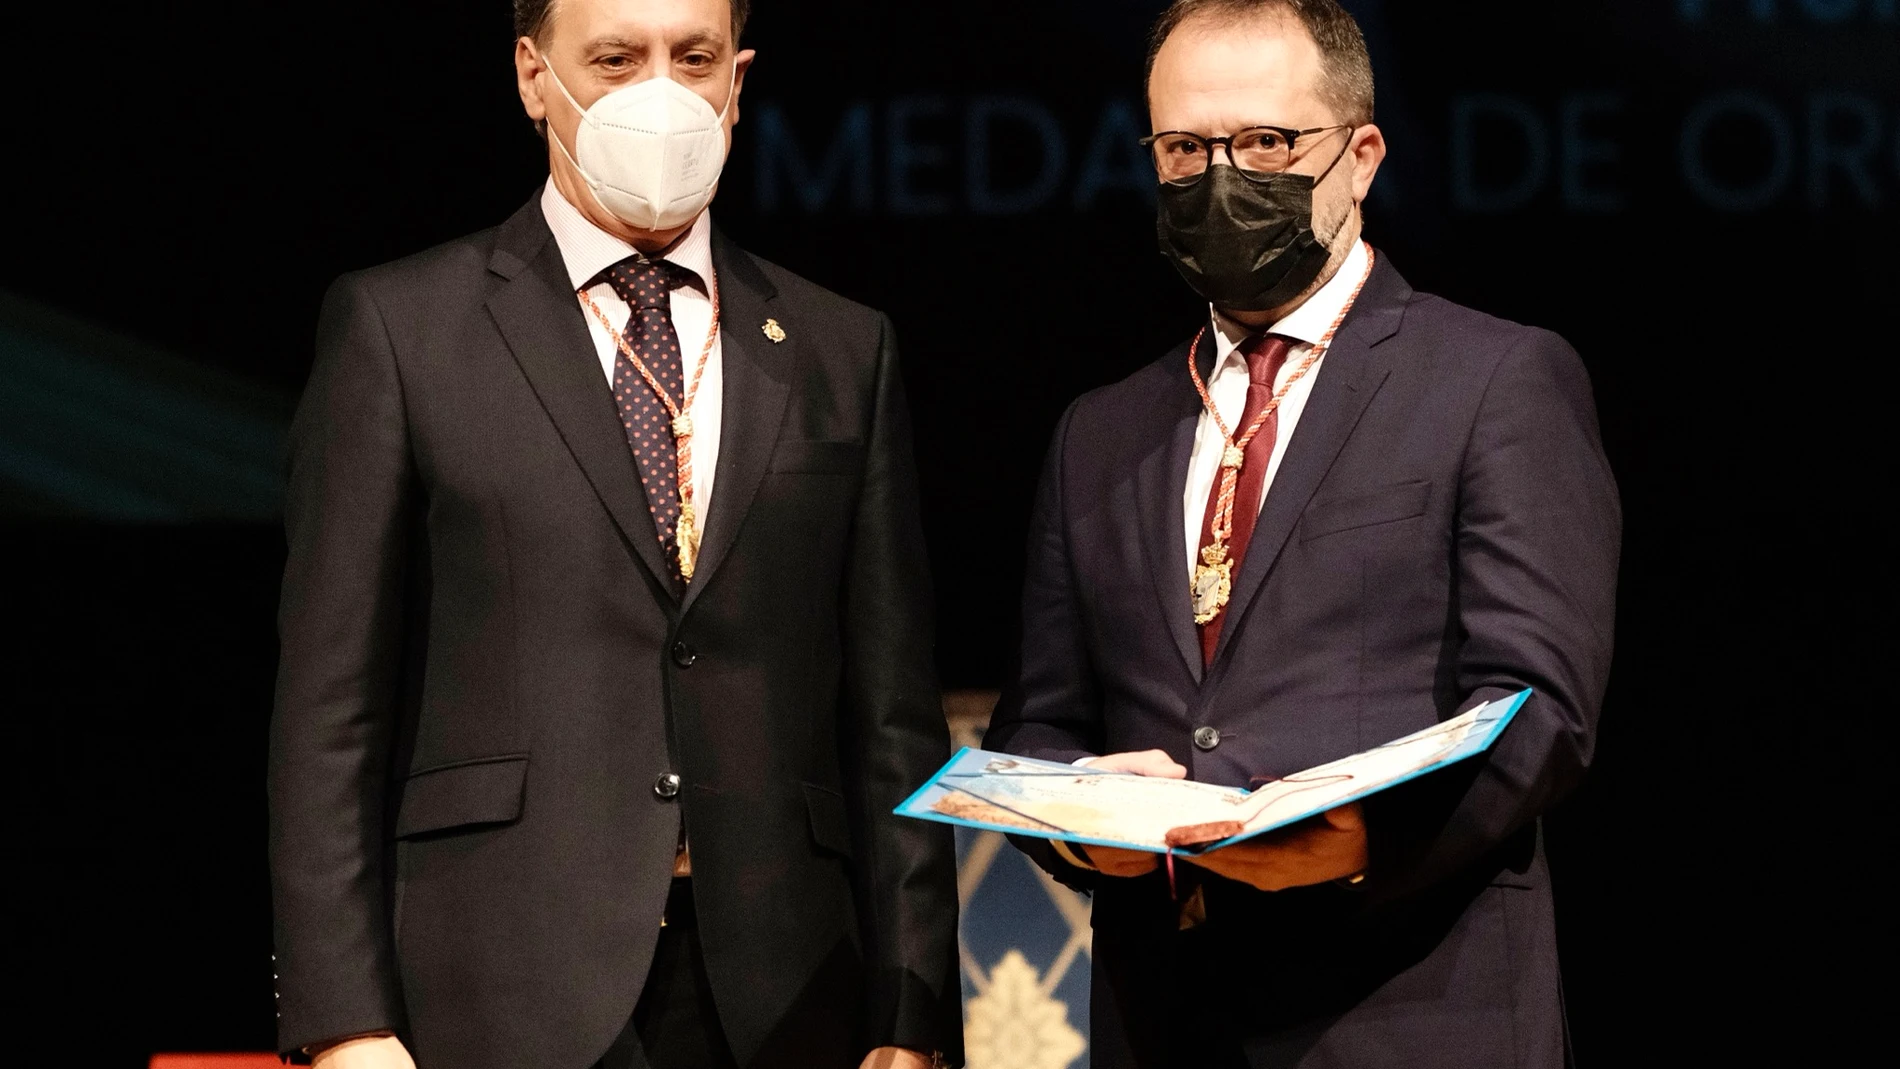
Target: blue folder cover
x=1049, y=800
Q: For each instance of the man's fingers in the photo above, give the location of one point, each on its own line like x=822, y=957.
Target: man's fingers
x=894, y=1058
x=1347, y=817
x=370, y=1052
x=1311, y=852
x=1256, y=868
x=1154, y=763
x=1113, y=861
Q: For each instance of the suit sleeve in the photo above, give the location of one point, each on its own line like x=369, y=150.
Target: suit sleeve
x=907, y=890
x=1538, y=536
x=1051, y=709
x=351, y=491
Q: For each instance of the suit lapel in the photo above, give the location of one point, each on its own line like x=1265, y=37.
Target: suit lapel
x=754, y=397
x=1349, y=377
x=1160, y=476
x=541, y=322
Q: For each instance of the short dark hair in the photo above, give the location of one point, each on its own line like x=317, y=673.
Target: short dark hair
x=531, y=17
x=1345, y=65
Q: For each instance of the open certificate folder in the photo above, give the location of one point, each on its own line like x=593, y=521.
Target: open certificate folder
x=1047, y=800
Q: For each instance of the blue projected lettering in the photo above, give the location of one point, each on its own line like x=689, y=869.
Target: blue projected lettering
x=1115, y=160
x=908, y=154
x=1825, y=12
x=931, y=156
x=1856, y=123
x=1737, y=151
x=1776, y=140
x=1524, y=126
x=1698, y=10
x=1583, y=155
x=994, y=155
x=782, y=162
x=980, y=120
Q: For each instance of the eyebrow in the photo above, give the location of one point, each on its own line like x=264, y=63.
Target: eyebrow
x=613, y=43
x=701, y=38
x=616, y=43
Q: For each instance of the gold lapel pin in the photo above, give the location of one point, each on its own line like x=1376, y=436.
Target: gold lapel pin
x=773, y=331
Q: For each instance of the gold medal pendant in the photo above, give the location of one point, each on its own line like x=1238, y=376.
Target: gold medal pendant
x=1214, y=577
x=687, y=529
x=687, y=532
x=1213, y=583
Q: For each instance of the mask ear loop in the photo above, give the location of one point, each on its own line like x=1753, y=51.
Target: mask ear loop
x=586, y=179
x=732, y=83
x=1350, y=130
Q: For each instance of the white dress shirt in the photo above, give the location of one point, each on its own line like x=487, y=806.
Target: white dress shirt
x=1306, y=325
x=1228, y=387
x=587, y=250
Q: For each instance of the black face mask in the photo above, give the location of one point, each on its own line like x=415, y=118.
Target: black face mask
x=1245, y=244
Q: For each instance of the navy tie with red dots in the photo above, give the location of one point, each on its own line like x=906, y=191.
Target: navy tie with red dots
x=646, y=286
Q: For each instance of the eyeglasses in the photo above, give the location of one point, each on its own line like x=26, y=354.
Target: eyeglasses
x=1183, y=157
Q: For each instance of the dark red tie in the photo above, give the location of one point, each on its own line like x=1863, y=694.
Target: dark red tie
x=1264, y=354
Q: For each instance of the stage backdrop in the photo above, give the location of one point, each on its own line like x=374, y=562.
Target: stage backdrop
x=1699, y=194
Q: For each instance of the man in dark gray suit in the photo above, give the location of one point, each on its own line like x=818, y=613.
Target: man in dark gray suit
x=606, y=625
x=1342, y=512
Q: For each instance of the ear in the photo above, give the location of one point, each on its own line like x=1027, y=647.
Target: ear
x=741, y=63
x=529, y=64
x=1368, y=151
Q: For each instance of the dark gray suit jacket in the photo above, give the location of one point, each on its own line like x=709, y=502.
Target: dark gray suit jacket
x=1444, y=529
x=484, y=673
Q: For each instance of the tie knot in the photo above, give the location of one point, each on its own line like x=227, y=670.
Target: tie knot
x=1266, y=354
x=644, y=283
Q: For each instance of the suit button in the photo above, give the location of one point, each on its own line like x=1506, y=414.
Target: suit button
x=667, y=786
x=684, y=655
x=1206, y=738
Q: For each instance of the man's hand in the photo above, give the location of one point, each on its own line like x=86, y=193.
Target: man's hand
x=1113, y=861
x=895, y=1058
x=1332, y=847
x=369, y=1052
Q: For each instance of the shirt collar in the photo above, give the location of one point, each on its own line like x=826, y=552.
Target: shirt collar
x=1306, y=324
x=587, y=250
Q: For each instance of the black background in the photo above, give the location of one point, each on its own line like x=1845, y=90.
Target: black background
x=193, y=178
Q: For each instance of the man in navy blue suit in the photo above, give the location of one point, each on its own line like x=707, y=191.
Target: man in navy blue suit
x=1343, y=511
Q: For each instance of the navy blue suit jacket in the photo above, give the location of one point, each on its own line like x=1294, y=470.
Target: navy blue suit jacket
x=1444, y=529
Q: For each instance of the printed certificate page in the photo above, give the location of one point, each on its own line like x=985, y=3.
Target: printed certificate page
x=1044, y=799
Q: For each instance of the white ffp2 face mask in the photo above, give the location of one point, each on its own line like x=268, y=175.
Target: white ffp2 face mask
x=650, y=152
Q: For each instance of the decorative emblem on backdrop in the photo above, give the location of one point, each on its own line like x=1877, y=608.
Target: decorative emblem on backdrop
x=1014, y=1024
x=1024, y=943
